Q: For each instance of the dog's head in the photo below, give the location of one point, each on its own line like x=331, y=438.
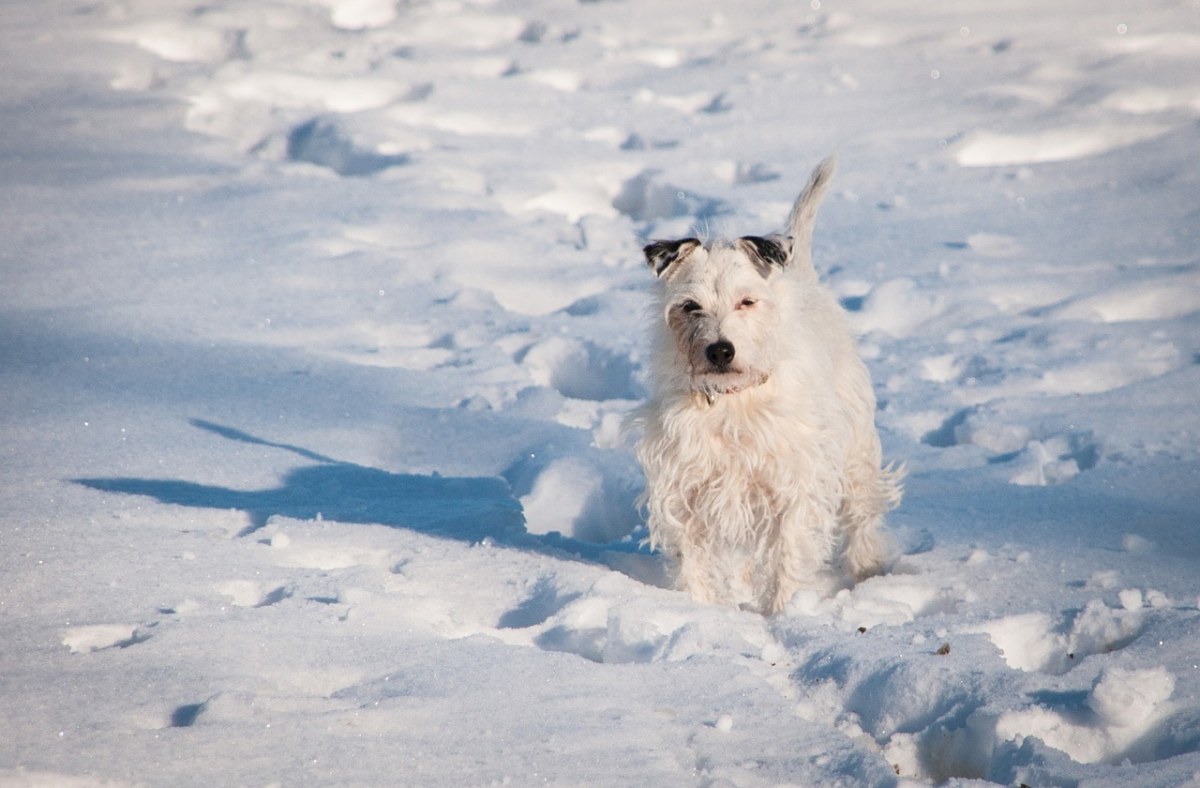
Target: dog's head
x=722, y=307
x=724, y=301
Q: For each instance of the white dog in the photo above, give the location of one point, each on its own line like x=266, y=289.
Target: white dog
x=759, y=445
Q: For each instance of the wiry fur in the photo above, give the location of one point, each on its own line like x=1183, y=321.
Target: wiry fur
x=759, y=446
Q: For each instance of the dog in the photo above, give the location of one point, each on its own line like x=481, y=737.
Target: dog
x=762, y=461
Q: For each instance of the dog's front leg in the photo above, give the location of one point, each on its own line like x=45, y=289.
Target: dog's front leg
x=794, y=557
x=694, y=573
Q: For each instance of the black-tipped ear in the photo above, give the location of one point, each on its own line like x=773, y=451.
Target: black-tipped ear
x=765, y=253
x=661, y=255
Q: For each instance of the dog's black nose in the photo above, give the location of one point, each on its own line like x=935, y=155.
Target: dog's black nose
x=719, y=354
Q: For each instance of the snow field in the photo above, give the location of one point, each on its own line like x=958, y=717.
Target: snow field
x=321, y=319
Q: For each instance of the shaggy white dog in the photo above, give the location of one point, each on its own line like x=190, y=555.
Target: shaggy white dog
x=759, y=446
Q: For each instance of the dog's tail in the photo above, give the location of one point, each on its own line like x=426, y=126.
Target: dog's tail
x=804, y=212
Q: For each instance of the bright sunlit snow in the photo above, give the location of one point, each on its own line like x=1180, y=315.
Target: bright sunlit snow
x=319, y=320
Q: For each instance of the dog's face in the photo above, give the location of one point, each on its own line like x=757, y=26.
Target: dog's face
x=721, y=308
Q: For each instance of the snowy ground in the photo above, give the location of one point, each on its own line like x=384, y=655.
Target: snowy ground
x=319, y=319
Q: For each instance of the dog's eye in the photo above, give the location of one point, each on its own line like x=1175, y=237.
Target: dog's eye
x=747, y=303
x=689, y=307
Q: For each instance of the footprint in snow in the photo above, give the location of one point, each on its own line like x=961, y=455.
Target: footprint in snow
x=644, y=198
x=1038, y=460
x=247, y=593
x=544, y=600
x=98, y=637
x=321, y=141
x=1036, y=642
x=1055, y=460
x=581, y=370
x=1112, y=722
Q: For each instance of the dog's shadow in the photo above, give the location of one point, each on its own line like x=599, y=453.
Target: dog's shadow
x=469, y=509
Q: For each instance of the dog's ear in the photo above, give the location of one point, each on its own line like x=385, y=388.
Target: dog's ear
x=661, y=255
x=767, y=254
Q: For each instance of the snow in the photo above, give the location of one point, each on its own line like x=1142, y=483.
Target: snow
x=319, y=321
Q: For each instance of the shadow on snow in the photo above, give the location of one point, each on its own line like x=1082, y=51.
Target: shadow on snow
x=466, y=509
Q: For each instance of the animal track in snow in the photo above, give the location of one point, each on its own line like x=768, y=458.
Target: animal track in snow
x=98, y=637
x=644, y=199
x=320, y=141
x=1035, y=642
x=742, y=173
x=248, y=593
x=1039, y=461
x=544, y=600
x=937, y=716
x=1086, y=345
x=618, y=620
x=946, y=434
x=1122, y=707
x=185, y=716
x=891, y=600
x=907, y=696
x=895, y=307
x=580, y=370
x=1116, y=720
x=1055, y=460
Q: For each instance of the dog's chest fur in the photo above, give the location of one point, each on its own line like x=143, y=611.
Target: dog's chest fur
x=738, y=465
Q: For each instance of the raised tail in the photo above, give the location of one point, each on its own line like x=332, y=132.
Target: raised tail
x=804, y=212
